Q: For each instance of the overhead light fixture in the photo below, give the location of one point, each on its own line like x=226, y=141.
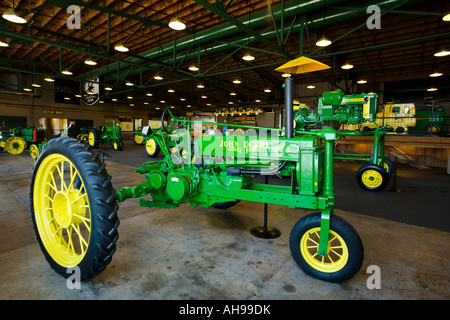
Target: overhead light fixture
x=248, y=57
x=162, y=101
x=436, y=74
x=90, y=62
x=171, y=90
x=36, y=85
x=121, y=48
x=188, y=106
x=286, y=75
x=13, y=17
x=129, y=83
x=66, y=98
x=27, y=89
x=230, y=102
x=267, y=90
x=362, y=81
x=432, y=89
x=130, y=97
x=446, y=17
x=148, y=94
x=323, y=42
x=347, y=66
x=177, y=24
x=3, y=44
x=78, y=95
x=158, y=77
x=49, y=79
x=442, y=53
x=200, y=85
x=193, y=67
x=145, y=102
x=114, y=99
x=182, y=99
x=257, y=100
x=67, y=72
x=204, y=97
x=108, y=88
x=232, y=93
x=101, y=101
x=311, y=86
x=236, y=81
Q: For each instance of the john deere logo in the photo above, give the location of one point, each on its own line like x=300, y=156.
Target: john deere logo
x=91, y=91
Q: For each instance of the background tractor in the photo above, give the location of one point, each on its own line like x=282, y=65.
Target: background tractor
x=95, y=136
x=17, y=140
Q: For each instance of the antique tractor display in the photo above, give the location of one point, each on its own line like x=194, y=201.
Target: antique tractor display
x=74, y=205
x=352, y=110
x=17, y=140
x=94, y=136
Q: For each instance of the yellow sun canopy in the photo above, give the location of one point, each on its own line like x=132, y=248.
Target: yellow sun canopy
x=302, y=65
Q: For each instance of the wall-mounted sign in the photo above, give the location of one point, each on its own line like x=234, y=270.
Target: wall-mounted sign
x=53, y=112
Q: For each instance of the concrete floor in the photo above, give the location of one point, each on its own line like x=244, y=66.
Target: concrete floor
x=195, y=253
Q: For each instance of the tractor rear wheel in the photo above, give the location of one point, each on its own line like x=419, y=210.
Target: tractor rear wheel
x=15, y=145
x=73, y=208
x=345, y=251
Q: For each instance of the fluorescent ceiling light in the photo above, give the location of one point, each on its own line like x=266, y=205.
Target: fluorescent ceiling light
x=177, y=24
x=13, y=17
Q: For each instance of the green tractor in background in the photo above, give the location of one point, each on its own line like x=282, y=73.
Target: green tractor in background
x=17, y=140
x=94, y=136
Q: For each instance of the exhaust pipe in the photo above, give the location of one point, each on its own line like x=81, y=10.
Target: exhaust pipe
x=289, y=108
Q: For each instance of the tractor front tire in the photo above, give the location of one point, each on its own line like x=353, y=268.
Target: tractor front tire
x=372, y=177
x=73, y=208
x=345, y=253
x=94, y=138
x=152, y=148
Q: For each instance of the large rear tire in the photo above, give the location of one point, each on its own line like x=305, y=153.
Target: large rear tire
x=73, y=208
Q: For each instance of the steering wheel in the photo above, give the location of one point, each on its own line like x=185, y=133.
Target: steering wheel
x=170, y=114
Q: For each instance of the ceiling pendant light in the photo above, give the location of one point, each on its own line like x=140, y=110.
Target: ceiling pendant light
x=311, y=86
x=435, y=74
x=267, y=90
x=236, y=81
x=432, y=89
x=446, y=17
x=323, y=42
x=193, y=67
x=13, y=17
x=108, y=88
x=121, y=48
x=129, y=83
x=362, y=81
x=177, y=24
x=286, y=75
x=442, y=53
x=49, y=79
x=36, y=85
x=3, y=44
x=248, y=57
x=347, y=66
x=90, y=62
x=158, y=77
x=67, y=72
x=200, y=85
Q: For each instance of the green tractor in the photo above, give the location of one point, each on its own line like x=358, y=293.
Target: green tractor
x=354, y=109
x=74, y=205
x=17, y=140
x=95, y=136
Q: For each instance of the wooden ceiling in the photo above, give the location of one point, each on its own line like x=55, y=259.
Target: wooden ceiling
x=217, y=35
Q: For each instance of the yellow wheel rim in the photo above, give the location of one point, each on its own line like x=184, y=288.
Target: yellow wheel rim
x=62, y=210
x=115, y=145
x=34, y=151
x=150, y=146
x=337, y=251
x=91, y=138
x=372, y=178
x=138, y=139
x=15, y=145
